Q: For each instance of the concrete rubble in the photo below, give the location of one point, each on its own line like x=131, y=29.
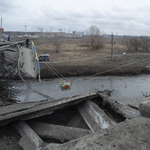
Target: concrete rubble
x=129, y=135
x=93, y=125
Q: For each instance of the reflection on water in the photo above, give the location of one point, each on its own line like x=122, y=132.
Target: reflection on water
x=7, y=94
x=123, y=86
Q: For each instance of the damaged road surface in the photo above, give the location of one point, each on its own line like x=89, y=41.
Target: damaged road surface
x=91, y=121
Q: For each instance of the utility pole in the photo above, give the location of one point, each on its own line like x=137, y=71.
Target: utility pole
x=41, y=31
x=112, y=46
x=25, y=28
x=1, y=23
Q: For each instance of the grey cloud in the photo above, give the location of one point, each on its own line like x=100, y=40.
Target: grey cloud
x=119, y=10
x=6, y=6
x=117, y=19
x=142, y=9
x=62, y=19
x=6, y=3
x=97, y=14
x=74, y=14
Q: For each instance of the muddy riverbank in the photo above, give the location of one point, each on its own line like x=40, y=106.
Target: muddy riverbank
x=68, y=71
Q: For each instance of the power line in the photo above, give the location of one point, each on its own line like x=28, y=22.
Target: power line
x=109, y=69
x=56, y=72
x=119, y=67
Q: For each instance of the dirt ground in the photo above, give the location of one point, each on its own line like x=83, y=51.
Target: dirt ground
x=128, y=135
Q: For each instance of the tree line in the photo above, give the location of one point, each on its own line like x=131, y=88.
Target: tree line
x=94, y=39
x=137, y=42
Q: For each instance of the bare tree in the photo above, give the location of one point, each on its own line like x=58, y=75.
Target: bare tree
x=132, y=43
x=94, y=39
x=135, y=43
x=127, y=41
x=57, y=44
x=145, y=43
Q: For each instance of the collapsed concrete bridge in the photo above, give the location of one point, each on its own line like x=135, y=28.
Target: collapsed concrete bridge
x=83, y=116
x=16, y=58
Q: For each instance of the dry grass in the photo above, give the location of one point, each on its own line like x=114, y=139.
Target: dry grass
x=75, y=49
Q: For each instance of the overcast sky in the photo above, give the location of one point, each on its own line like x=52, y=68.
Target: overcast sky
x=122, y=17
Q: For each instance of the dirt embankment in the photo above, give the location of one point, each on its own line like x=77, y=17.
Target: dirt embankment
x=91, y=70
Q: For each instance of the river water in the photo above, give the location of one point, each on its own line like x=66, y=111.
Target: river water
x=129, y=86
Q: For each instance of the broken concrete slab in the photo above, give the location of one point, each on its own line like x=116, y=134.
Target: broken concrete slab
x=95, y=117
x=29, y=66
x=127, y=107
x=62, y=133
x=144, y=108
x=30, y=140
x=24, y=111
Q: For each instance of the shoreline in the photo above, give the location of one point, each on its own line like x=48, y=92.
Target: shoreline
x=77, y=71
x=68, y=71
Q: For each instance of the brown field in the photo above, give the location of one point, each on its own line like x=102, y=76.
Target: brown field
x=75, y=49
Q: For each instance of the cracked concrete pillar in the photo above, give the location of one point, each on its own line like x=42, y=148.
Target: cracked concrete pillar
x=94, y=116
x=30, y=140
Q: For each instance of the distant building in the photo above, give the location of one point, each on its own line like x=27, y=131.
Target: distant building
x=77, y=33
x=41, y=34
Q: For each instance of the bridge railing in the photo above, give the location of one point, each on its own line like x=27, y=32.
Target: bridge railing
x=20, y=61
x=35, y=58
